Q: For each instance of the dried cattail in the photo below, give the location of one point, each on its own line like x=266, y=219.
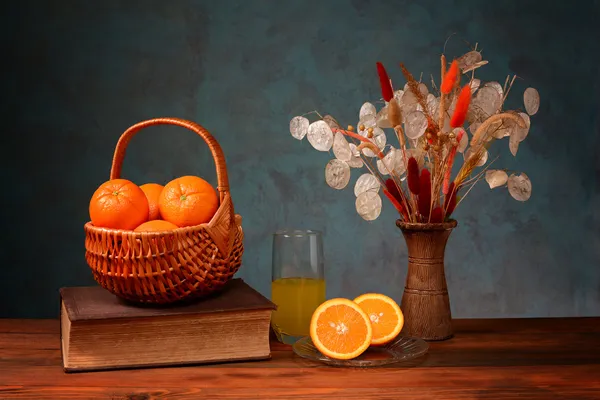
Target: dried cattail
x=400, y=135
x=393, y=189
x=394, y=113
x=399, y=207
x=443, y=67
x=461, y=108
x=437, y=216
x=386, y=87
x=424, y=200
x=412, y=175
x=450, y=163
x=450, y=200
x=450, y=78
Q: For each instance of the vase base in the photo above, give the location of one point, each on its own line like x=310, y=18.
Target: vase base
x=439, y=339
x=427, y=316
x=428, y=338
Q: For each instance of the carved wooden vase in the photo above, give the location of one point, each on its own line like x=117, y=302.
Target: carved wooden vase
x=425, y=303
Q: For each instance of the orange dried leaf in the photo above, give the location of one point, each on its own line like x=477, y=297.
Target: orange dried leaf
x=450, y=78
x=461, y=108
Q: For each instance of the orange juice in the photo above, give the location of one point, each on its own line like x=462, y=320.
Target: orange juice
x=296, y=299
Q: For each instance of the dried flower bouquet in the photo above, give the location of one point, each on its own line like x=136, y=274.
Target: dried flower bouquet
x=431, y=126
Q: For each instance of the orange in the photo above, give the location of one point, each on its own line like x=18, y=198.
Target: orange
x=188, y=201
x=118, y=204
x=152, y=191
x=340, y=329
x=157, y=225
x=385, y=315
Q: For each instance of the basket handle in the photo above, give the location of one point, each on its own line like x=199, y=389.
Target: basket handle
x=213, y=145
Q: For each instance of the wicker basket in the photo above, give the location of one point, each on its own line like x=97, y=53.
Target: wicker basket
x=166, y=267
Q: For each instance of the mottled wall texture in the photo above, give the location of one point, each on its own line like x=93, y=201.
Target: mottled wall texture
x=78, y=73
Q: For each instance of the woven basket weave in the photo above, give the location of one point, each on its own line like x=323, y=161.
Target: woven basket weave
x=166, y=267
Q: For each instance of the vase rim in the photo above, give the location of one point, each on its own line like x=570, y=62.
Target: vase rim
x=421, y=226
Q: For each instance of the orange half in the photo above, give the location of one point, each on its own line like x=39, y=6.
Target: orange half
x=384, y=314
x=340, y=329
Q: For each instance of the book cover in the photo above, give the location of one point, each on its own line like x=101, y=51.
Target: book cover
x=101, y=331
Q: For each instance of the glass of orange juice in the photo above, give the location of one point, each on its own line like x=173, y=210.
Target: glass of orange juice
x=297, y=281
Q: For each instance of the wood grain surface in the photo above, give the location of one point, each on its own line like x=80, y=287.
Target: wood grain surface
x=487, y=359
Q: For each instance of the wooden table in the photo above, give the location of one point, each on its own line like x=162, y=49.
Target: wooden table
x=487, y=359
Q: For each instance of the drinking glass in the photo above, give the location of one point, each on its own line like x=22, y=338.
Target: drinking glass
x=297, y=281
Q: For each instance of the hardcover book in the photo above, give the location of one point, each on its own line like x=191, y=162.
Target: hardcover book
x=100, y=331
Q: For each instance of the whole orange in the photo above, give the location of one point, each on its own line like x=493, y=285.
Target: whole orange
x=157, y=225
x=188, y=201
x=118, y=204
x=152, y=191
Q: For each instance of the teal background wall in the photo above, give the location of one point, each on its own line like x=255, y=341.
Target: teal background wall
x=77, y=74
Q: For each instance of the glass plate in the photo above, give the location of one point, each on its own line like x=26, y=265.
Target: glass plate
x=400, y=349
